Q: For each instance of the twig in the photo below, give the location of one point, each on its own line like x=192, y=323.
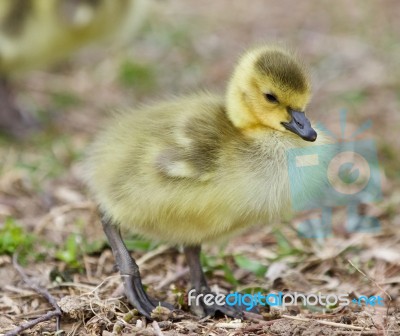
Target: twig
x=253, y=327
x=390, y=281
x=152, y=254
x=370, y=279
x=32, y=314
x=271, y=322
x=206, y=318
x=173, y=278
x=20, y=291
x=73, y=284
x=43, y=292
x=59, y=211
x=93, y=290
x=210, y=329
x=253, y=316
x=366, y=332
x=332, y=324
x=229, y=325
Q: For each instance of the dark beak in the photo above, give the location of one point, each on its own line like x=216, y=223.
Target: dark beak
x=300, y=125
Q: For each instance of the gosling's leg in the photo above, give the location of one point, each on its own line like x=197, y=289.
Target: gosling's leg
x=196, y=274
x=13, y=121
x=199, y=283
x=129, y=271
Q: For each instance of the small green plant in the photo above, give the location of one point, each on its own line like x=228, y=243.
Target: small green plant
x=214, y=263
x=13, y=237
x=388, y=155
x=250, y=265
x=75, y=247
x=285, y=247
x=71, y=252
x=355, y=97
x=65, y=99
x=49, y=157
x=139, y=76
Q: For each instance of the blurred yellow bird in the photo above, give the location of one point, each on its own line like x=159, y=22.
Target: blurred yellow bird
x=37, y=33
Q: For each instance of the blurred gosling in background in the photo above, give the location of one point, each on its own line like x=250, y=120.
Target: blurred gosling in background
x=38, y=33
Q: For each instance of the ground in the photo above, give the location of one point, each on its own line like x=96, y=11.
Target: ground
x=46, y=215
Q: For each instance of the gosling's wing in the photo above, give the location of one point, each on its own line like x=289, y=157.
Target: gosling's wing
x=197, y=143
x=177, y=163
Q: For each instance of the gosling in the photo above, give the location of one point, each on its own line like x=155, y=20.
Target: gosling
x=200, y=168
x=38, y=33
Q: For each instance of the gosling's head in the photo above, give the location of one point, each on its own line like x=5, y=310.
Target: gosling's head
x=270, y=89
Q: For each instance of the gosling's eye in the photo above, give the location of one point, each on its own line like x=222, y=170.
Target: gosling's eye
x=271, y=98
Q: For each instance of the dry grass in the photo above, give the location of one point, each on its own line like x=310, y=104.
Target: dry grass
x=352, y=48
